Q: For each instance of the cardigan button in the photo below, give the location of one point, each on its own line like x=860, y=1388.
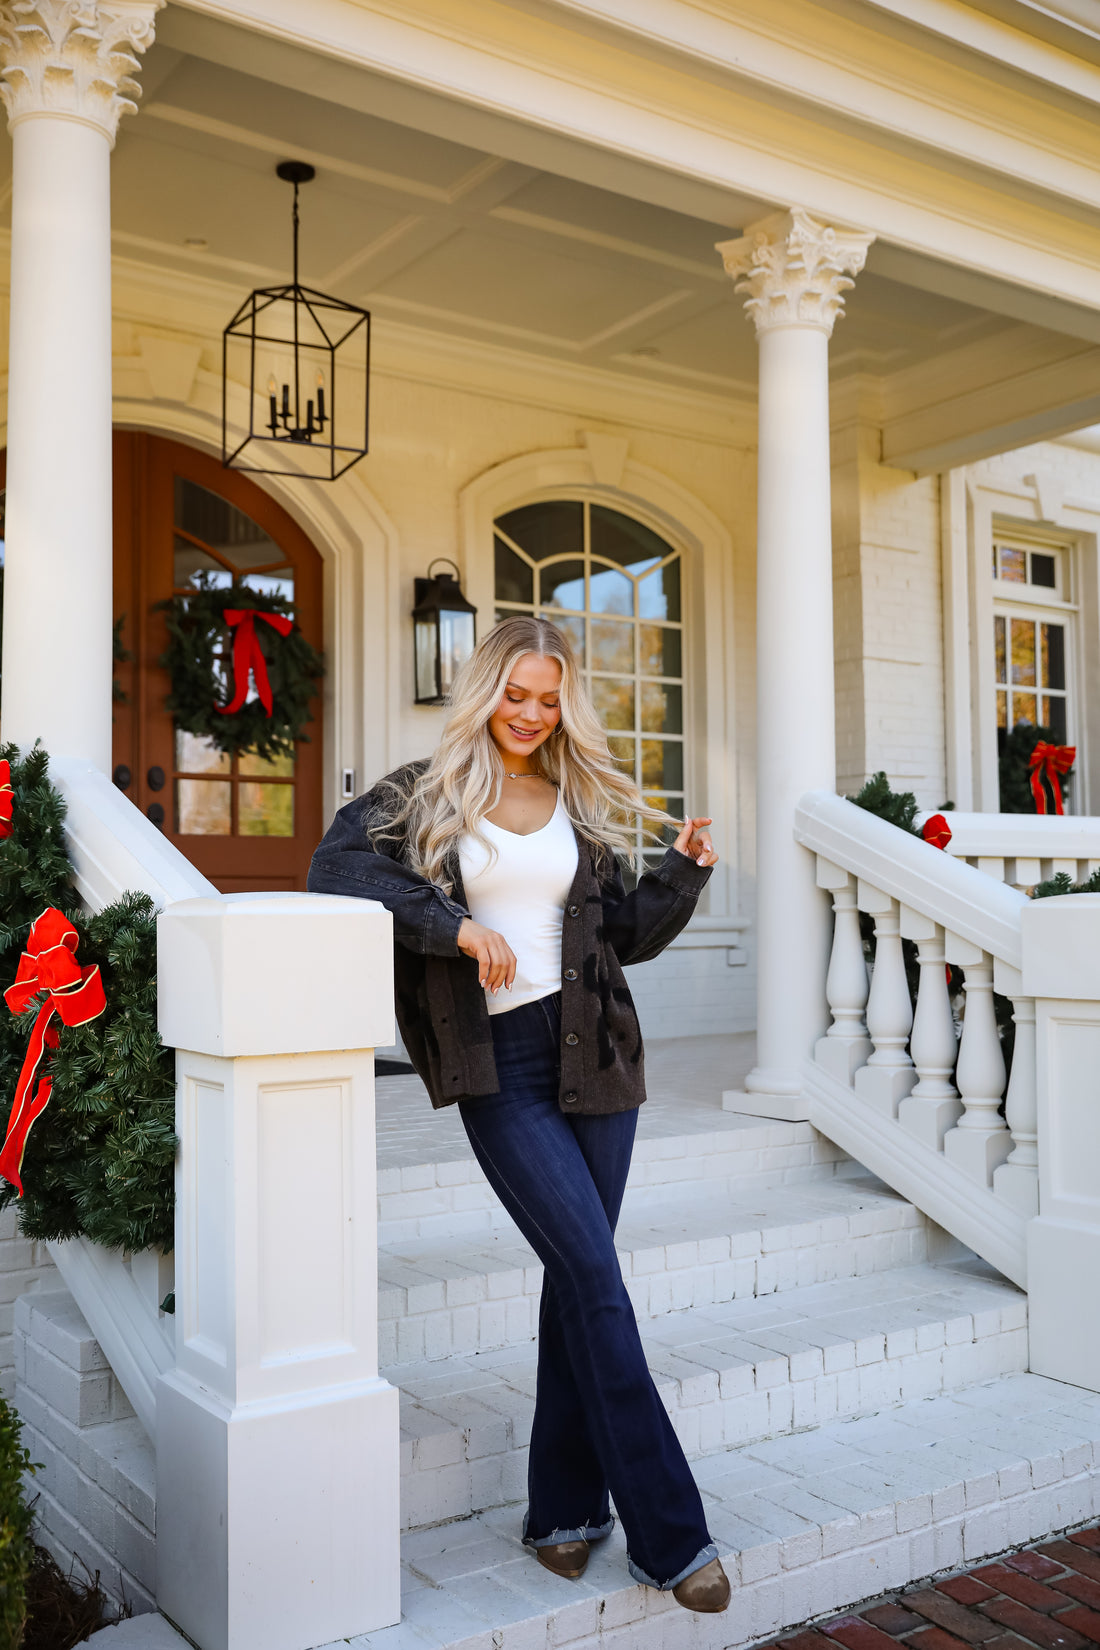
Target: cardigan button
x=574, y=910
x=572, y=1039
x=570, y=974
x=570, y=1099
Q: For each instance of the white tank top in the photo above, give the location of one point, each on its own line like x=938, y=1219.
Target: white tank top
x=521, y=893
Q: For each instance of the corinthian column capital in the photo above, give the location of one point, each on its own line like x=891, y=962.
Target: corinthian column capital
x=795, y=269
x=73, y=58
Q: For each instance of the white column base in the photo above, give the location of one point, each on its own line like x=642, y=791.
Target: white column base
x=842, y=1057
x=1063, y=1331
x=275, y=1520
x=1018, y=1186
x=930, y=1120
x=774, y=1093
x=978, y=1152
x=885, y=1087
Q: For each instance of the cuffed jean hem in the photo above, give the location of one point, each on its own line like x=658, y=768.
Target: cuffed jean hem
x=587, y=1532
x=709, y=1551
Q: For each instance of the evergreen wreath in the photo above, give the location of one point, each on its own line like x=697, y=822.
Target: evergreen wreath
x=100, y=1160
x=1014, y=769
x=199, y=660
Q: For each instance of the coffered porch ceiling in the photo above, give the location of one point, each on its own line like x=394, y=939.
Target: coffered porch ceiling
x=535, y=248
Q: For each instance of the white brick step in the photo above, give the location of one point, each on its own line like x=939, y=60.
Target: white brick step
x=728, y=1375
x=806, y=1524
x=691, y=1246
x=448, y=1194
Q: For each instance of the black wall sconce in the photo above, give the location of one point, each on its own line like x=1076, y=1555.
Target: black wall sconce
x=443, y=632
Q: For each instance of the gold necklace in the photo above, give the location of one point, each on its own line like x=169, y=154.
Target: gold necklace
x=521, y=775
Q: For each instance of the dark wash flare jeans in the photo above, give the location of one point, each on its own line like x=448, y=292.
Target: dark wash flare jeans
x=600, y=1427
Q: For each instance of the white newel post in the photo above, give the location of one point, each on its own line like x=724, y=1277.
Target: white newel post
x=277, y=1441
x=1061, y=970
x=66, y=78
x=795, y=271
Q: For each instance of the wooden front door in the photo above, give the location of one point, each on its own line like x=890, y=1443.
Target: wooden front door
x=245, y=823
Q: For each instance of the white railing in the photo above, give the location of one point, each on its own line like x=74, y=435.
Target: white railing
x=1023, y=849
x=883, y=1078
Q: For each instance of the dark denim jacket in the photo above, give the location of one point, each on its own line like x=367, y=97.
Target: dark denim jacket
x=440, y=1005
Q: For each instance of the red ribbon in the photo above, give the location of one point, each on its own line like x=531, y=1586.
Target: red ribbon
x=248, y=655
x=6, y=799
x=1048, y=762
x=937, y=831
x=75, y=994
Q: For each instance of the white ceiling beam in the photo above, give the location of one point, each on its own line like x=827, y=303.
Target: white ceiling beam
x=507, y=82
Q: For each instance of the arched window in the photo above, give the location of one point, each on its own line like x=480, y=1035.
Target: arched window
x=614, y=586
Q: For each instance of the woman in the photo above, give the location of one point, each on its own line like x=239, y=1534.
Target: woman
x=497, y=860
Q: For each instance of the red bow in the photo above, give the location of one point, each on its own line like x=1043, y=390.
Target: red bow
x=6, y=799
x=248, y=656
x=1048, y=762
x=76, y=994
x=937, y=831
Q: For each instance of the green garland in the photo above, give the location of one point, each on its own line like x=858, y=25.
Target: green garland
x=199, y=661
x=100, y=1159
x=1015, y=774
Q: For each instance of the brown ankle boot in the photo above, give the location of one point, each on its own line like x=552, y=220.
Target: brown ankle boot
x=706, y=1589
x=565, y=1558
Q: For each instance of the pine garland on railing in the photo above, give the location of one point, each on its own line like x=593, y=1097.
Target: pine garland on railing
x=100, y=1159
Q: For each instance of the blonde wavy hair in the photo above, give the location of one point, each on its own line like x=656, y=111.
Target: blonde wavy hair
x=462, y=782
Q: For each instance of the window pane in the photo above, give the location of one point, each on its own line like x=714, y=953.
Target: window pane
x=610, y=592
x=260, y=767
x=265, y=810
x=612, y=645
x=1044, y=571
x=553, y=528
x=562, y=585
x=515, y=580
x=190, y=564
x=223, y=527
x=623, y=752
x=999, y=646
x=614, y=701
x=662, y=708
x=1054, y=655
x=659, y=593
x=203, y=807
x=574, y=629
x=1013, y=565
x=663, y=764
x=621, y=539
x=1024, y=709
x=1002, y=709
x=1054, y=717
x=278, y=583
x=197, y=755
x=1023, y=653
x=658, y=651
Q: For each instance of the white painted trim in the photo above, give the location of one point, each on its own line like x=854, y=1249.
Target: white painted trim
x=687, y=523
x=938, y=1188
x=1023, y=836
x=958, y=734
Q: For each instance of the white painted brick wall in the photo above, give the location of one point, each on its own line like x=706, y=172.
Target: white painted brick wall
x=693, y=992
x=23, y=1266
x=95, y=1487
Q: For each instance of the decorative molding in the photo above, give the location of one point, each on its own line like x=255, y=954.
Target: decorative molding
x=73, y=58
x=1050, y=493
x=171, y=365
x=608, y=455
x=795, y=269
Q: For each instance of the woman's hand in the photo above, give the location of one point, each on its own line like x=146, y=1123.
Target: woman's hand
x=694, y=841
x=496, y=961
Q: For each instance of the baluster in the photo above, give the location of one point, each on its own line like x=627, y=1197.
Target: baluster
x=845, y=1046
x=1017, y=1180
x=888, y=1075
x=934, y=1106
x=979, y=1142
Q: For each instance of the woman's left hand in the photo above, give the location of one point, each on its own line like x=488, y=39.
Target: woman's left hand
x=694, y=841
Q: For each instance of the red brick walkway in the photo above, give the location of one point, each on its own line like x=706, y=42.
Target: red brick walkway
x=1047, y=1596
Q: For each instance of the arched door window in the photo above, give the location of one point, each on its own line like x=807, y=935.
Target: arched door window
x=614, y=585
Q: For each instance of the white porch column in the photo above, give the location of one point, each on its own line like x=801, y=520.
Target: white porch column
x=66, y=78
x=278, y=1454
x=794, y=270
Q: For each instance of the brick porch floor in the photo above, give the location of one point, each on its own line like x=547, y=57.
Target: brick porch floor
x=1047, y=1596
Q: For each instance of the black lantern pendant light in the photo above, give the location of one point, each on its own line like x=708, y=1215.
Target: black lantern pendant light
x=305, y=357
x=443, y=633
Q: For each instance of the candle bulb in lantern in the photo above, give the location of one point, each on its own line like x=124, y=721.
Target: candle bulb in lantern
x=273, y=411
x=320, y=400
x=309, y=418
x=286, y=401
